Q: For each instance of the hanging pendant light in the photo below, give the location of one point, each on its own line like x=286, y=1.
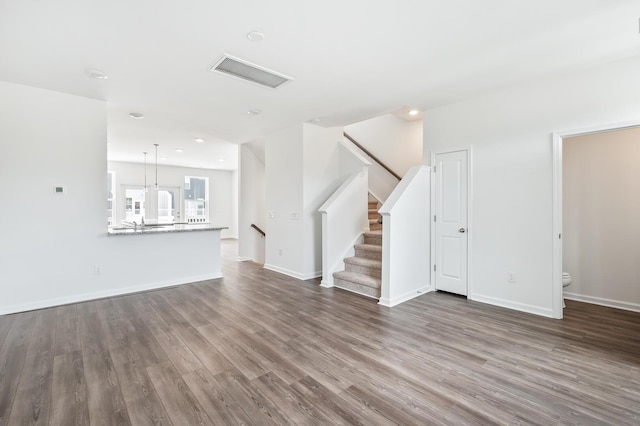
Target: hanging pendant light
x=155, y=186
x=145, y=170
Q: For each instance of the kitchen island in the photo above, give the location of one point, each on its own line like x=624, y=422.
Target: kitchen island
x=164, y=228
x=157, y=256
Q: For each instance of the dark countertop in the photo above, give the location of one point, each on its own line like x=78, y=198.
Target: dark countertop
x=163, y=229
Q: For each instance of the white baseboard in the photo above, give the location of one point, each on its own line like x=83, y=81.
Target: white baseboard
x=523, y=307
x=297, y=275
x=404, y=297
x=327, y=282
x=243, y=259
x=48, y=303
x=627, y=306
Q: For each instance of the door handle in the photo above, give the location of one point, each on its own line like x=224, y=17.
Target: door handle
x=462, y=230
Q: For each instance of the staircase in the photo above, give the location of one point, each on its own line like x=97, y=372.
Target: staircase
x=363, y=272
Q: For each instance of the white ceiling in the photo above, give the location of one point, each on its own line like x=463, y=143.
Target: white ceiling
x=351, y=60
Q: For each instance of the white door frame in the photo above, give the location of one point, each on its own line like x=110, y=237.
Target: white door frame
x=556, y=286
x=470, y=229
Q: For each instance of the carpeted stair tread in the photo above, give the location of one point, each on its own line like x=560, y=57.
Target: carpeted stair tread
x=369, y=247
x=373, y=237
x=363, y=272
x=362, y=261
x=374, y=225
x=360, y=279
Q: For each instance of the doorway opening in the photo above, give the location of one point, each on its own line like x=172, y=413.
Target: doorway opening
x=591, y=208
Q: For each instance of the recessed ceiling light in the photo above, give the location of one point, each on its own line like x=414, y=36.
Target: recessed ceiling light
x=255, y=36
x=254, y=111
x=220, y=160
x=97, y=74
x=414, y=112
x=163, y=158
x=199, y=140
x=179, y=150
x=136, y=115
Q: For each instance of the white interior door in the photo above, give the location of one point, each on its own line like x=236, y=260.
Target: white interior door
x=451, y=218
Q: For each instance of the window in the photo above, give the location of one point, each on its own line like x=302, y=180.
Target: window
x=111, y=189
x=196, y=197
x=134, y=204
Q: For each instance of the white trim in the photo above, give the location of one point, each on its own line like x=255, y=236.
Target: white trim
x=470, y=225
x=42, y=304
x=243, y=258
x=353, y=150
x=532, y=309
x=326, y=283
x=405, y=297
x=556, y=249
x=374, y=196
x=635, y=307
x=556, y=252
x=296, y=275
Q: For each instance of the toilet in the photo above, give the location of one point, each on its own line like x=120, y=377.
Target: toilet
x=566, y=280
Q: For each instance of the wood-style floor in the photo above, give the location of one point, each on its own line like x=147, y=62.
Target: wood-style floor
x=260, y=348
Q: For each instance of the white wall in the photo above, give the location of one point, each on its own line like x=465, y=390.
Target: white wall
x=283, y=200
x=511, y=134
x=601, y=224
x=221, y=189
x=397, y=142
x=406, y=238
x=251, y=245
x=51, y=243
x=321, y=175
x=302, y=169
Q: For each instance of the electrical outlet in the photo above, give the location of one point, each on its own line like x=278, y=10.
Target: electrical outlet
x=279, y=252
x=511, y=277
x=96, y=270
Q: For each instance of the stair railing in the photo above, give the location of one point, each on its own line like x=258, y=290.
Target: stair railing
x=260, y=231
x=373, y=157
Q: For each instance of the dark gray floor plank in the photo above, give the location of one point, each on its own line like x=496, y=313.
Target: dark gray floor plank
x=298, y=409
x=259, y=409
x=34, y=389
x=67, y=334
x=12, y=356
x=217, y=402
x=69, y=397
x=143, y=404
x=5, y=325
x=106, y=404
x=181, y=405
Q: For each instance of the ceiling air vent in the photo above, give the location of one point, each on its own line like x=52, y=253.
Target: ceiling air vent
x=250, y=72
